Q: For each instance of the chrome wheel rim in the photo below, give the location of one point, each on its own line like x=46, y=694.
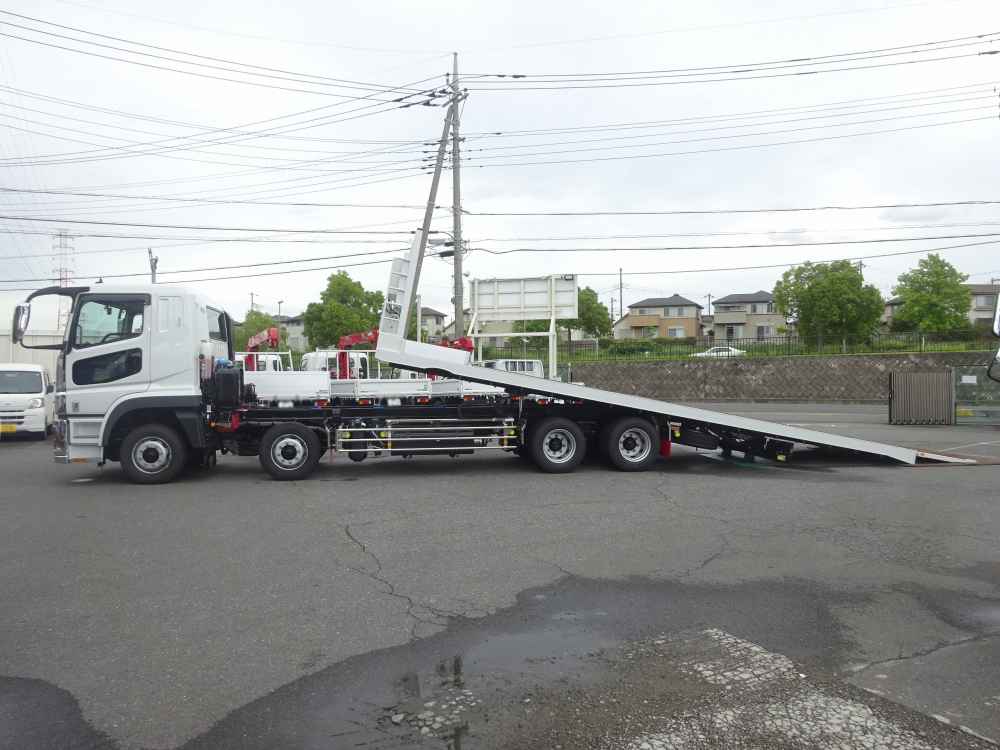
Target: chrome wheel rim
x=289, y=452
x=558, y=446
x=634, y=445
x=151, y=455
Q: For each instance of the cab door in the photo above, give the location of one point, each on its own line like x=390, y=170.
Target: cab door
x=108, y=357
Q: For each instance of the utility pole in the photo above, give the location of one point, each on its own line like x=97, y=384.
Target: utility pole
x=251, y=302
x=612, y=309
x=995, y=281
x=456, y=200
x=861, y=266
x=152, y=265
x=621, y=294
x=418, y=262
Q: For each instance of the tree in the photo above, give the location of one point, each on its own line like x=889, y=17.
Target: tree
x=932, y=297
x=530, y=326
x=345, y=307
x=828, y=299
x=254, y=322
x=593, y=316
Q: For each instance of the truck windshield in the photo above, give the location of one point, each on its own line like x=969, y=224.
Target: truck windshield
x=19, y=381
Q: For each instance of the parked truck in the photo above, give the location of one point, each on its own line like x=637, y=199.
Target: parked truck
x=145, y=378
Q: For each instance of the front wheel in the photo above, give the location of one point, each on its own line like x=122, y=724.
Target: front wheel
x=630, y=443
x=289, y=451
x=557, y=445
x=152, y=454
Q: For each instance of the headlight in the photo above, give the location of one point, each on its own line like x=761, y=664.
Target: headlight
x=35, y=403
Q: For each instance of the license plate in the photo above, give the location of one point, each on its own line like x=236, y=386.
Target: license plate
x=8, y=428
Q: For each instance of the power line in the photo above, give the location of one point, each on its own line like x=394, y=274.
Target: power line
x=349, y=83
x=265, y=38
x=719, y=137
x=798, y=62
x=184, y=226
x=563, y=87
x=732, y=148
x=209, y=200
x=736, y=210
x=699, y=28
x=610, y=273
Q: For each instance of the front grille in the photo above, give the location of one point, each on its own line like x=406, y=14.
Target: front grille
x=11, y=417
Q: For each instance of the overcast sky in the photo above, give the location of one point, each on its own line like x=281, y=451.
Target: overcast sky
x=703, y=110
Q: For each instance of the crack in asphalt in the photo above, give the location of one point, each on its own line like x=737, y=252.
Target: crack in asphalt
x=926, y=652
x=437, y=614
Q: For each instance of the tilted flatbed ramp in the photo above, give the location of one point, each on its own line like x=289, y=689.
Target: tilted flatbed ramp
x=393, y=349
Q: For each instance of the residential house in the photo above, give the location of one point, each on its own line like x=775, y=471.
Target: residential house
x=292, y=324
x=663, y=317
x=431, y=320
x=746, y=316
x=984, y=299
x=621, y=328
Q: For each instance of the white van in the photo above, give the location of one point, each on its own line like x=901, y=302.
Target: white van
x=26, y=401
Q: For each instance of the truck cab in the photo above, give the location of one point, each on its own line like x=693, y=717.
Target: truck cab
x=342, y=365
x=129, y=352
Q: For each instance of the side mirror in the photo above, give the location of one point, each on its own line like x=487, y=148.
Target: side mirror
x=50, y=388
x=993, y=373
x=22, y=313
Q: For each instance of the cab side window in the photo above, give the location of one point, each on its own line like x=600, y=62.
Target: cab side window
x=103, y=321
x=216, y=325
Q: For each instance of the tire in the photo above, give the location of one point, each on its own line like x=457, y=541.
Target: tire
x=289, y=451
x=152, y=454
x=39, y=435
x=557, y=445
x=630, y=443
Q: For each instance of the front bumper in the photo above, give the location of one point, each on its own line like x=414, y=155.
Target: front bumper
x=32, y=420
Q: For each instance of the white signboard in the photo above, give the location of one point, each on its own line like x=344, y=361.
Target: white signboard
x=539, y=298
x=969, y=380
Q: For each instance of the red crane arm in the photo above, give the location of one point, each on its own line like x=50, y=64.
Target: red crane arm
x=268, y=336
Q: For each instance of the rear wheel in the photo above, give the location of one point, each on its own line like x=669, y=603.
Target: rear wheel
x=289, y=451
x=557, y=445
x=630, y=443
x=152, y=454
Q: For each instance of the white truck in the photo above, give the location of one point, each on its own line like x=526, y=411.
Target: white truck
x=145, y=377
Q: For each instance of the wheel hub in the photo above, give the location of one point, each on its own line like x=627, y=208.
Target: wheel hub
x=289, y=452
x=151, y=455
x=634, y=445
x=559, y=446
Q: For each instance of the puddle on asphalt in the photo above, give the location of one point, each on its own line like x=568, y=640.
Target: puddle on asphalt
x=602, y=664
x=570, y=662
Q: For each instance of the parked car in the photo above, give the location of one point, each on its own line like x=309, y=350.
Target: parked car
x=26, y=401
x=720, y=351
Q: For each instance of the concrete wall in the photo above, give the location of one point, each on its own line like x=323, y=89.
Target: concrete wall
x=846, y=379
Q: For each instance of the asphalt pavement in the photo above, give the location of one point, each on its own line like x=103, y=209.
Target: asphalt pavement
x=833, y=601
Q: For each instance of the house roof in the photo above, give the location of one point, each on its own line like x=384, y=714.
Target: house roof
x=430, y=311
x=983, y=288
x=730, y=299
x=623, y=317
x=664, y=302
x=707, y=318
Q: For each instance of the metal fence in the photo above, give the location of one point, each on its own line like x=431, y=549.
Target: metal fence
x=626, y=350
x=977, y=397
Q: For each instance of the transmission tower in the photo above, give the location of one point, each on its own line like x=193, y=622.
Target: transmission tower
x=62, y=252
